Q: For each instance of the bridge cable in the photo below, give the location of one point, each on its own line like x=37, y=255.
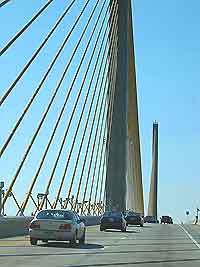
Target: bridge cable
x=45, y=76
x=73, y=112
x=104, y=140
x=104, y=123
x=25, y=68
x=42, y=120
x=94, y=171
x=86, y=125
x=4, y=2
x=95, y=136
x=89, y=169
x=88, y=145
x=55, y=127
x=5, y=48
x=109, y=132
x=109, y=135
x=84, y=105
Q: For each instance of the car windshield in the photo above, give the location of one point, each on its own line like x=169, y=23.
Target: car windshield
x=55, y=215
x=112, y=214
x=131, y=213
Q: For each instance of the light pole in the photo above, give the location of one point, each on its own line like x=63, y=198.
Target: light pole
x=1, y=195
x=197, y=216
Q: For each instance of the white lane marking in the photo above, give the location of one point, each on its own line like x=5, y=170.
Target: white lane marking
x=189, y=235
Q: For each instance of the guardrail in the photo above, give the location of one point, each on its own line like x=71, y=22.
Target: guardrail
x=16, y=226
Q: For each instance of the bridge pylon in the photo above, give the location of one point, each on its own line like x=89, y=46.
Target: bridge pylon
x=153, y=194
x=124, y=175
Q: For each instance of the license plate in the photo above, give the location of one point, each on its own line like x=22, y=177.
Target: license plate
x=48, y=233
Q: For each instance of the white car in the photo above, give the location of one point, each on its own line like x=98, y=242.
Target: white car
x=57, y=224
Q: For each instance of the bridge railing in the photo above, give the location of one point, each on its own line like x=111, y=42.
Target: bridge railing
x=18, y=226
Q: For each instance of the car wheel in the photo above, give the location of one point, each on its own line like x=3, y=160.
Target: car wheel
x=82, y=240
x=124, y=229
x=126, y=224
x=141, y=225
x=73, y=241
x=33, y=241
x=102, y=229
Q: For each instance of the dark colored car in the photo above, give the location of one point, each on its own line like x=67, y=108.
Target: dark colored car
x=113, y=220
x=134, y=218
x=166, y=220
x=150, y=219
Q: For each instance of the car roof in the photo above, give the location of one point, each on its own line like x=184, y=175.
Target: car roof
x=56, y=210
x=112, y=212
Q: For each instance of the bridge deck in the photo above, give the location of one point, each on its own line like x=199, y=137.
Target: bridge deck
x=163, y=245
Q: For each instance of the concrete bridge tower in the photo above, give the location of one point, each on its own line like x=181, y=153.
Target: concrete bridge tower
x=124, y=175
x=153, y=194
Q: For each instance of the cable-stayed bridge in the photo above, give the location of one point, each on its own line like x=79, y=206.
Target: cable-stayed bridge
x=69, y=109
x=70, y=135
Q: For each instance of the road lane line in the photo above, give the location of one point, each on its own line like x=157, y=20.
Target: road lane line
x=190, y=236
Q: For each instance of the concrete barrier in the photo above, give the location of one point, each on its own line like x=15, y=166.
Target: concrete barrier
x=91, y=220
x=16, y=226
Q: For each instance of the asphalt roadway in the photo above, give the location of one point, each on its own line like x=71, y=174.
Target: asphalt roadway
x=152, y=245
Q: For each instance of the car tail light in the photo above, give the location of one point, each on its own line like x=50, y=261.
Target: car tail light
x=65, y=227
x=35, y=225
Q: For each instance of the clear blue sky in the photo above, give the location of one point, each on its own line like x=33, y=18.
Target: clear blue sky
x=167, y=43
x=167, y=62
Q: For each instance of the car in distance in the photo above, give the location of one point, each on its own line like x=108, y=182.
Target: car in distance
x=57, y=224
x=133, y=218
x=150, y=219
x=113, y=220
x=166, y=220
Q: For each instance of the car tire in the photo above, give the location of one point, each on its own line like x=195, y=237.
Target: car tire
x=73, y=241
x=102, y=229
x=33, y=241
x=141, y=225
x=126, y=224
x=82, y=240
x=123, y=229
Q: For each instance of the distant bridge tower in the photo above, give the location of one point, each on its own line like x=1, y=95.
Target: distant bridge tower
x=153, y=194
x=124, y=176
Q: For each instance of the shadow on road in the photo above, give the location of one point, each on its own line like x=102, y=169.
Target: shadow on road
x=67, y=245
x=147, y=226
x=118, y=231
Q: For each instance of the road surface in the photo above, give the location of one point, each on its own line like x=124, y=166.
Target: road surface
x=150, y=246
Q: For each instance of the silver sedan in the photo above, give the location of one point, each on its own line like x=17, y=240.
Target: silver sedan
x=60, y=225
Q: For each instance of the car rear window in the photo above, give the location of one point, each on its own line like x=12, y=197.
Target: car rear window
x=112, y=214
x=55, y=215
x=133, y=214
